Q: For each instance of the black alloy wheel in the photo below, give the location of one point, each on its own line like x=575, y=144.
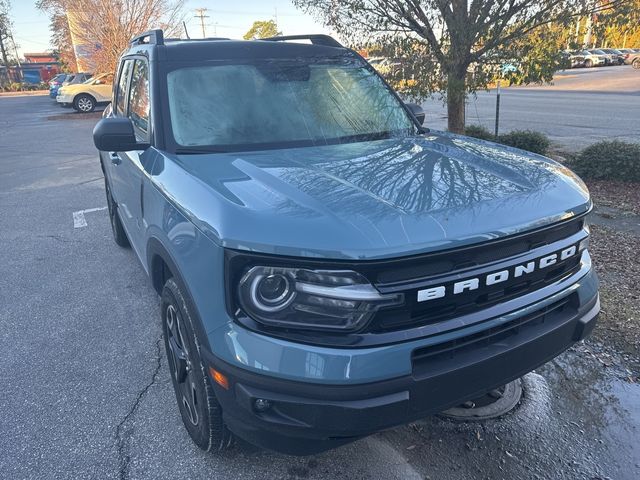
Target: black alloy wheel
x=200, y=411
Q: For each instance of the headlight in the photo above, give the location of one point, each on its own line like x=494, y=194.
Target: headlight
x=584, y=243
x=310, y=299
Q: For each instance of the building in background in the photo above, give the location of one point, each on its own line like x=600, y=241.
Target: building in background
x=83, y=52
x=34, y=68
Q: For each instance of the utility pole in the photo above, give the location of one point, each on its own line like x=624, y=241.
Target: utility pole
x=15, y=49
x=495, y=131
x=200, y=13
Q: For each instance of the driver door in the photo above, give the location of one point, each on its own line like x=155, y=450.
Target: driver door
x=129, y=170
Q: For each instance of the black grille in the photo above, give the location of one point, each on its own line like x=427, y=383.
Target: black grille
x=414, y=313
x=429, y=358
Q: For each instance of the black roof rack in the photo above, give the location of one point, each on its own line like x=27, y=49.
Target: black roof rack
x=176, y=39
x=315, y=39
x=152, y=36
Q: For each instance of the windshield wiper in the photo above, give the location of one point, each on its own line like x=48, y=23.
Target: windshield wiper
x=181, y=151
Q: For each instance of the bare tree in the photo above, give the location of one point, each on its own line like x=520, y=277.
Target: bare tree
x=103, y=28
x=5, y=30
x=457, y=33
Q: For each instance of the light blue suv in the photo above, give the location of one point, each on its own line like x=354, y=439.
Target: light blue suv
x=327, y=266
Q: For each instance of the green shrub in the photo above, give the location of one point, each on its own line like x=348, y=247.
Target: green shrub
x=529, y=140
x=478, y=131
x=23, y=87
x=609, y=160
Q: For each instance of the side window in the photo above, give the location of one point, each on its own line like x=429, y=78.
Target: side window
x=139, y=98
x=121, y=92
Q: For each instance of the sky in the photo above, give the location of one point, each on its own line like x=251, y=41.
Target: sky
x=226, y=19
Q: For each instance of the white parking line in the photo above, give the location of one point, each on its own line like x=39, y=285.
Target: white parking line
x=78, y=217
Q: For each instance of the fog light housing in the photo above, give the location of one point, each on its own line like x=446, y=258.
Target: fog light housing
x=261, y=404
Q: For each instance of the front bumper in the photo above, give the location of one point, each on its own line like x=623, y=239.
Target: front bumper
x=306, y=418
x=64, y=100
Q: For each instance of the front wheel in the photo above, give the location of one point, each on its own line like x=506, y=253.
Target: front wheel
x=200, y=411
x=636, y=64
x=84, y=103
x=588, y=64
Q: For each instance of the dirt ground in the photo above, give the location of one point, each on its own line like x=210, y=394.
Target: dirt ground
x=615, y=247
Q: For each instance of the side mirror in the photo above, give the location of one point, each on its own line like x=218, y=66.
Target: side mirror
x=115, y=134
x=417, y=111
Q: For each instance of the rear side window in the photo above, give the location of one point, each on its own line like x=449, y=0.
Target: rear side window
x=139, y=98
x=121, y=93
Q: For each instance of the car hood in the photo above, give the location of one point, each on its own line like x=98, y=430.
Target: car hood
x=373, y=199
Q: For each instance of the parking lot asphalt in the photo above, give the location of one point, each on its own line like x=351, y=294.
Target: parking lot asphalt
x=581, y=107
x=85, y=388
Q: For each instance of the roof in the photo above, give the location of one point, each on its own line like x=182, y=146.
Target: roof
x=235, y=49
x=222, y=48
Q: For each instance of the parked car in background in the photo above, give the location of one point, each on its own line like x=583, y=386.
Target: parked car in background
x=630, y=56
x=84, y=97
x=590, y=59
x=572, y=59
x=386, y=66
x=608, y=59
x=55, y=83
x=617, y=55
x=64, y=79
x=625, y=53
x=74, y=78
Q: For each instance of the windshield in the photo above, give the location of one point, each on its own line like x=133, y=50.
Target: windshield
x=279, y=104
x=107, y=77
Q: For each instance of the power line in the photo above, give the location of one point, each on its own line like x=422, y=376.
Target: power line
x=200, y=13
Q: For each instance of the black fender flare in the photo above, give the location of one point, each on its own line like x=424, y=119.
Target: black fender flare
x=156, y=249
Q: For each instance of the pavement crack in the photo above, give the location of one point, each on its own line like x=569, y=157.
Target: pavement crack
x=89, y=181
x=58, y=238
x=122, y=434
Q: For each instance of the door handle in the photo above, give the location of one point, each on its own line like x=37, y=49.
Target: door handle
x=115, y=159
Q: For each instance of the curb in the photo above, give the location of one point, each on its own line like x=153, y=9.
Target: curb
x=31, y=93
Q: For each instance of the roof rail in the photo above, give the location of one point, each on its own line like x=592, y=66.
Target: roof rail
x=154, y=37
x=315, y=39
x=176, y=39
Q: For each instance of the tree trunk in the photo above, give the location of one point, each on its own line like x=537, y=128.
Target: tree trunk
x=456, y=94
x=3, y=51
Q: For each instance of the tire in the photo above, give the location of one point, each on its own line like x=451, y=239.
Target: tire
x=636, y=64
x=588, y=63
x=200, y=411
x=119, y=235
x=84, y=103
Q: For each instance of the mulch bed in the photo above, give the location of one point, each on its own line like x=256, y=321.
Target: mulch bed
x=621, y=195
x=615, y=256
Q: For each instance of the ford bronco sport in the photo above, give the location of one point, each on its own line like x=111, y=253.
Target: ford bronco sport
x=328, y=267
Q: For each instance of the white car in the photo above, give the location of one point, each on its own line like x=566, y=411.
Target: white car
x=84, y=97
